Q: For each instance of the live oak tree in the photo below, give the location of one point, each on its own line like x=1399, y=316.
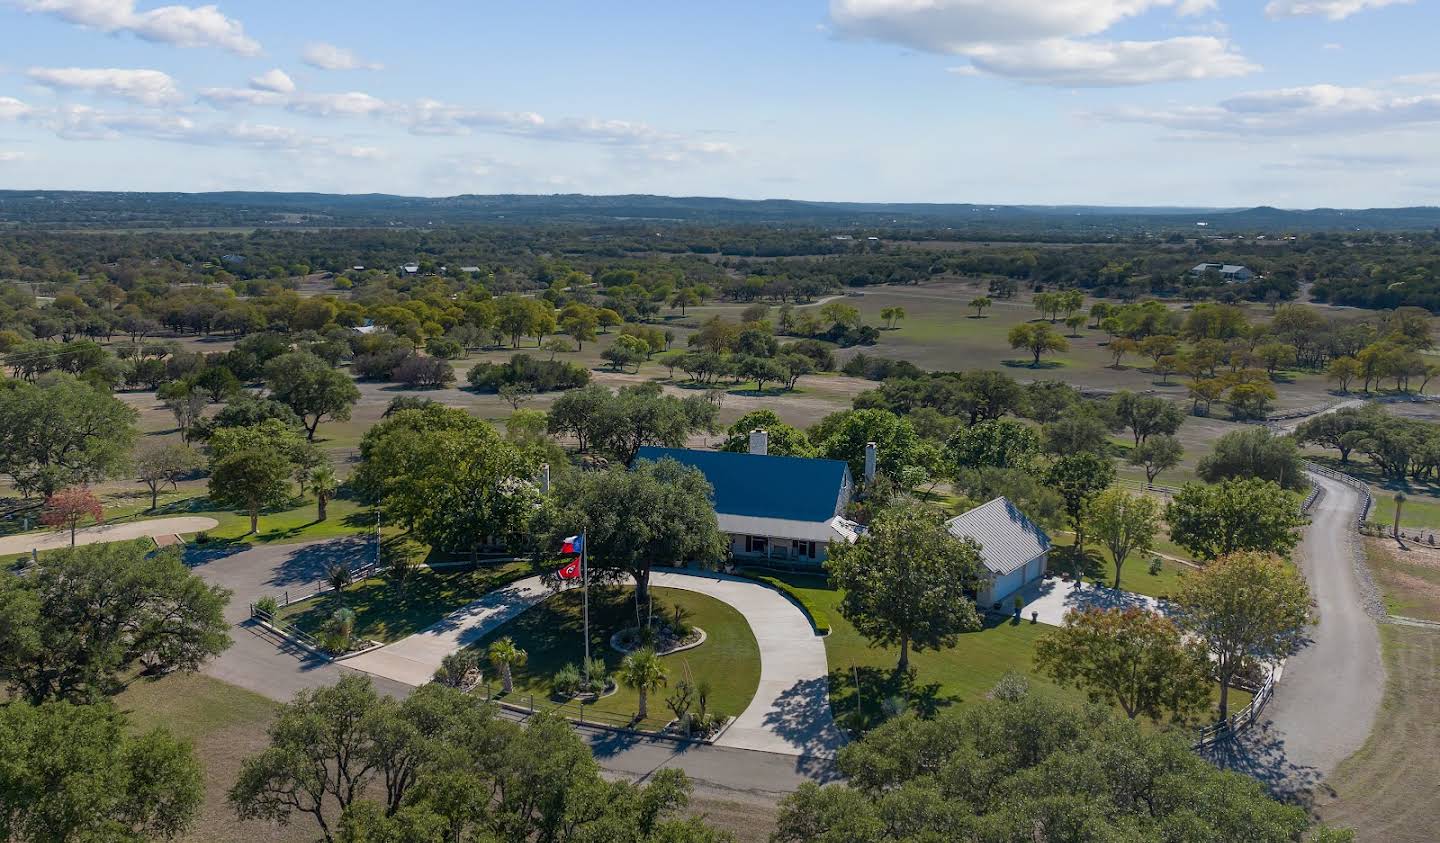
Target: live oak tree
x=906, y=581
x=443, y=765
x=1132, y=658
x=1078, y=478
x=311, y=387
x=1022, y=768
x=1248, y=608
x=1125, y=524
x=1158, y=453
x=1251, y=514
x=81, y=772
x=656, y=513
x=784, y=440
x=1037, y=339
x=160, y=466
x=251, y=479
x=62, y=432
x=1145, y=415
x=1255, y=452
x=449, y=478
x=81, y=619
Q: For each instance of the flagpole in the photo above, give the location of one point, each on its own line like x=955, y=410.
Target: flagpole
x=585, y=592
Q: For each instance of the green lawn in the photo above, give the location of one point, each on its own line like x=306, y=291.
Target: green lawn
x=551, y=635
x=960, y=676
x=387, y=612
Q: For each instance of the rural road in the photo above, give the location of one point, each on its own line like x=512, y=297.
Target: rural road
x=25, y=542
x=257, y=662
x=1325, y=706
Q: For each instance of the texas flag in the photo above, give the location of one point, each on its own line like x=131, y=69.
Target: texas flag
x=573, y=544
x=571, y=571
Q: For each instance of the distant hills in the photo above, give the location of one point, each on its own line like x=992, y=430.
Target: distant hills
x=81, y=209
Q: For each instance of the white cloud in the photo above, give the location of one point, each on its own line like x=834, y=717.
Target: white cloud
x=361, y=153
x=330, y=57
x=952, y=26
x=7, y=156
x=1329, y=9
x=148, y=87
x=12, y=109
x=1108, y=63
x=1310, y=109
x=277, y=81
x=1040, y=41
x=180, y=26
x=353, y=103
x=227, y=97
x=1419, y=80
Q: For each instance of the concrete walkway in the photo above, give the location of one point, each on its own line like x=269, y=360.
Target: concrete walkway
x=1052, y=598
x=149, y=528
x=412, y=660
x=789, y=715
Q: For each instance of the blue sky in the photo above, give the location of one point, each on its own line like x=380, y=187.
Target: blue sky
x=1295, y=103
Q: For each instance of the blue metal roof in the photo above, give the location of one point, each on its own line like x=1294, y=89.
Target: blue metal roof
x=789, y=488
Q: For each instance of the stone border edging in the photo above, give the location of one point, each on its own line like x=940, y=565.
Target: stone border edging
x=624, y=730
x=682, y=648
x=280, y=631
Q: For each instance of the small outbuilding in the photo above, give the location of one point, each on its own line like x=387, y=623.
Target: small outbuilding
x=1013, y=549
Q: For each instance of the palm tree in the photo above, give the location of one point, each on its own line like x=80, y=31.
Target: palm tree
x=337, y=576
x=1399, y=502
x=323, y=483
x=643, y=671
x=506, y=656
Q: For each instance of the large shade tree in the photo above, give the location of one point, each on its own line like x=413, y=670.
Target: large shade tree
x=656, y=513
x=907, y=581
x=82, y=619
x=1022, y=768
x=312, y=388
x=81, y=772
x=450, y=478
x=1252, y=514
x=1248, y=608
x=62, y=432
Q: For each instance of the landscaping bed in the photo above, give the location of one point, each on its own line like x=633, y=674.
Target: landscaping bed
x=551, y=636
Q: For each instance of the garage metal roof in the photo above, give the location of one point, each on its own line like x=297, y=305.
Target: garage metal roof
x=1007, y=538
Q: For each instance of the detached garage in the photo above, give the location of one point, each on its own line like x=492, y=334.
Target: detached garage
x=1012, y=547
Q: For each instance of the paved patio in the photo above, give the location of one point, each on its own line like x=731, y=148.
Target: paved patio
x=1052, y=598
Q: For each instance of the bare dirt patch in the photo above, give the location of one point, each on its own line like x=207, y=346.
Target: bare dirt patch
x=1408, y=575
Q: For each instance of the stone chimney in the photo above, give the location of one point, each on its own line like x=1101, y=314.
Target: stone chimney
x=545, y=478
x=759, y=442
x=870, y=449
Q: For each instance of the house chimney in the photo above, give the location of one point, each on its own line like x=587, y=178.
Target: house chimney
x=759, y=442
x=870, y=462
x=545, y=478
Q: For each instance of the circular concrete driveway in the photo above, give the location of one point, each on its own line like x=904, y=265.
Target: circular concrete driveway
x=789, y=715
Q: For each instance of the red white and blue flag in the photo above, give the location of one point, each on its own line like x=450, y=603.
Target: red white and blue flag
x=573, y=544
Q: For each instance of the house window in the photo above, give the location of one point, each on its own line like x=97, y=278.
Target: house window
x=758, y=545
x=802, y=549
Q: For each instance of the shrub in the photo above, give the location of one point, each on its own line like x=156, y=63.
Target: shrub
x=267, y=606
x=424, y=372
x=202, y=537
x=456, y=667
x=598, y=673
x=1156, y=564
x=446, y=348
x=524, y=370
x=380, y=365
x=567, y=681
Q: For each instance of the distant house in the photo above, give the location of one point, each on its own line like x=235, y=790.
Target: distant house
x=1228, y=272
x=786, y=509
x=470, y=269
x=410, y=268
x=1012, y=547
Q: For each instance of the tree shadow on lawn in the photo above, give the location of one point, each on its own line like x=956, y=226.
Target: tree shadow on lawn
x=1016, y=363
x=879, y=685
